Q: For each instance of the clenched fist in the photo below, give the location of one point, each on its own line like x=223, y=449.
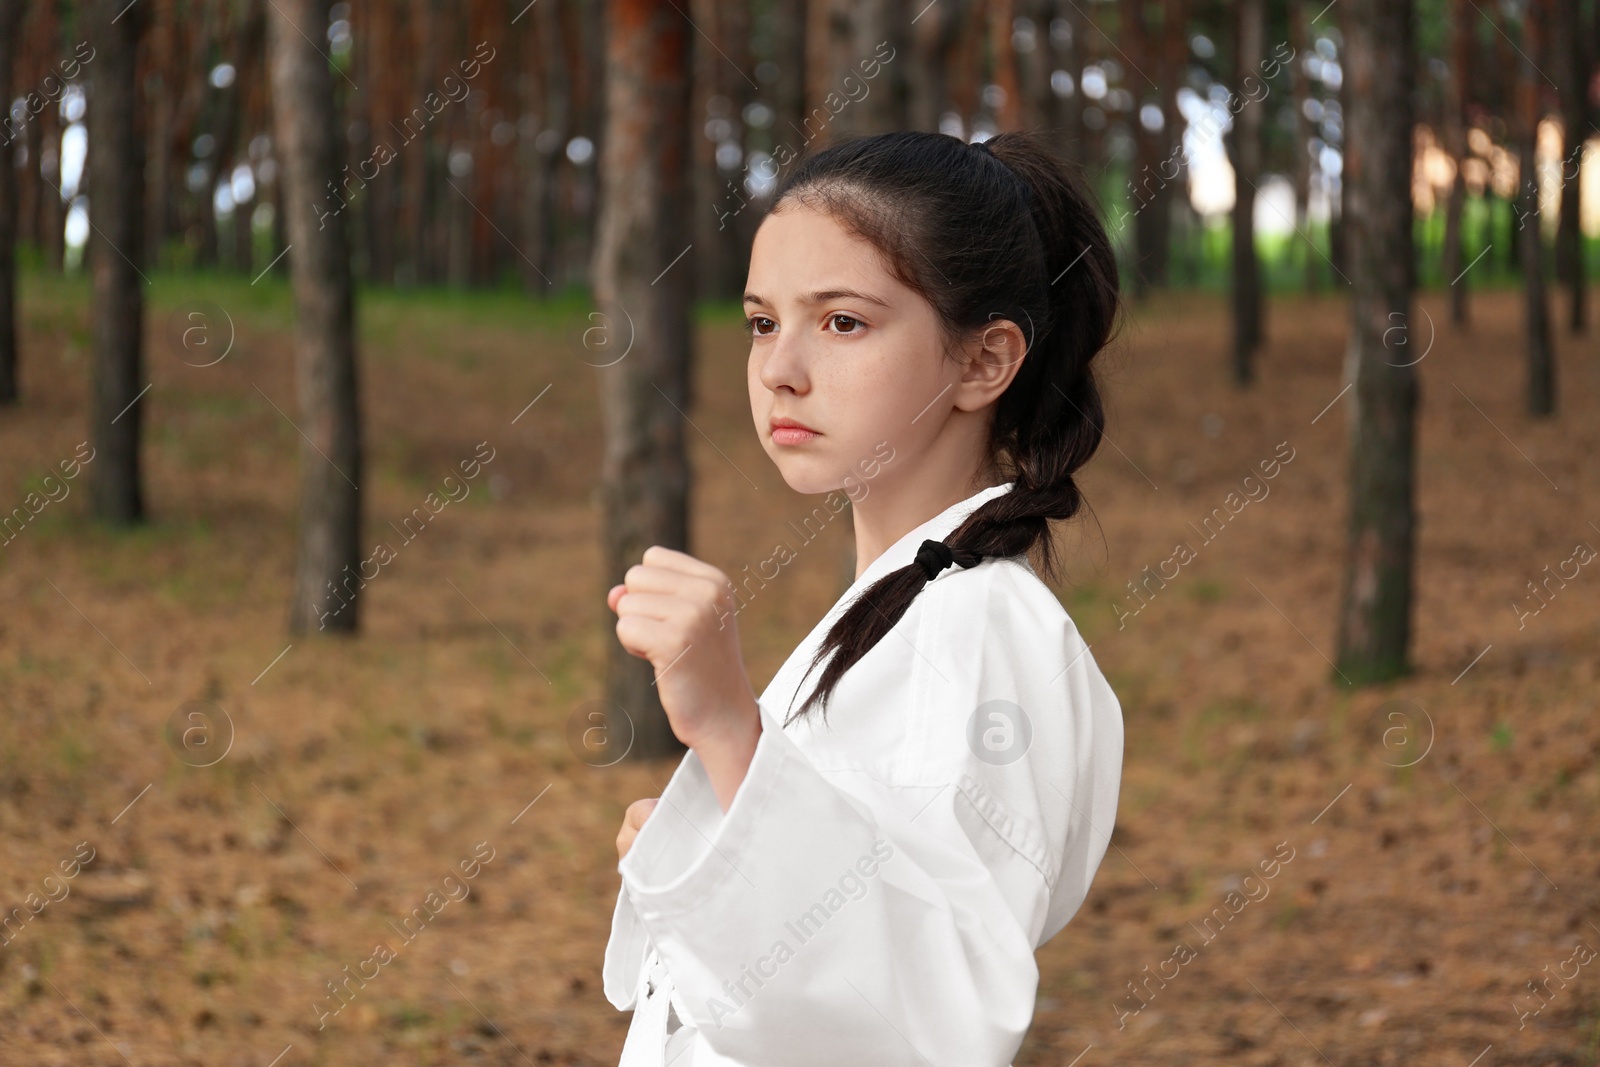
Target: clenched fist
x=678, y=612
x=632, y=822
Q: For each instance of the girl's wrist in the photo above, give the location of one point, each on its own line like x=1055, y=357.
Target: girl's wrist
x=726, y=756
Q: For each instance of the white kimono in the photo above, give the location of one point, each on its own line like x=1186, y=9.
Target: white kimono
x=877, y=888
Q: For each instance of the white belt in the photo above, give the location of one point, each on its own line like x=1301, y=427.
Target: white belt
x=647, y=1043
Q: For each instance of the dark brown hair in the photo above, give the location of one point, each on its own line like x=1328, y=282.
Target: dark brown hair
x=1011, y=232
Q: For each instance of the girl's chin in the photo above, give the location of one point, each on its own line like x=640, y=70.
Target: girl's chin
x=809, y=476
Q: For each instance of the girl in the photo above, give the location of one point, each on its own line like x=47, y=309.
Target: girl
x=861, y=874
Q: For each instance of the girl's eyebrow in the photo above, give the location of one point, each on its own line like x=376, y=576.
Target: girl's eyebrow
x=822, y=296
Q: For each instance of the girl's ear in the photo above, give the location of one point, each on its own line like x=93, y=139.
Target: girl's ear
x=994, y=355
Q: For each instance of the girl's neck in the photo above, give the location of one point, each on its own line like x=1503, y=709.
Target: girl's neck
x=890, y=511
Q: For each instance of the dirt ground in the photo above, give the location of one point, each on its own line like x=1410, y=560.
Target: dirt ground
x=1437, y=839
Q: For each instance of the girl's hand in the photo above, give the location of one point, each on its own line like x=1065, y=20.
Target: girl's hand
x=678, y=612
x=632, y=822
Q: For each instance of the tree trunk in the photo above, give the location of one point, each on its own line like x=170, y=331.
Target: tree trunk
x=643, y=224
x=543, y=149
x=1455, y=143
x=1572, y=71
x=1134, y=40
x=590, y=77
x=1249, y=30
x=116, y=247
x=384, y=62
x=307, y=131
x=720, y=95
x=10, y=20
x=930, y=42
x=842, y=35
x=1375, y=618
x=1160, y=49
x=162, y=97
x=1300, y=94
x=1073, y=52
x=1530, y=235
x=248, y=33
x=788, y=89
x=1002, y=20
x=1035, y=64
x=52, y=209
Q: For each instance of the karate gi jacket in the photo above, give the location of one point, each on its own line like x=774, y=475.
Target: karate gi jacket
x=876, y=890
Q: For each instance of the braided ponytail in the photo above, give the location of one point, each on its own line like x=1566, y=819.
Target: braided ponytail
x=1009, y=231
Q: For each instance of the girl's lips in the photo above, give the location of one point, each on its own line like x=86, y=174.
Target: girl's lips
x=792, y=435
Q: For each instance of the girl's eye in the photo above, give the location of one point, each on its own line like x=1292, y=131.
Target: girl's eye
x=847, y=318
x=751, y=328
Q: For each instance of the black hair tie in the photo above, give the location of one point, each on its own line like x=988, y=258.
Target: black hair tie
x=935, y=556
x=1027, y=190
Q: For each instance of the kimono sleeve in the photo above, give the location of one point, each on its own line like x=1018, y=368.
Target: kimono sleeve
x=887, y=923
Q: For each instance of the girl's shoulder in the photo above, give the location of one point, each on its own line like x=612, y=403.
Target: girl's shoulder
x=1002, y=600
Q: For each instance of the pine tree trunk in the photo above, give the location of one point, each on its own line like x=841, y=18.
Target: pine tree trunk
x=1572, y=67
x=1375, y=617
x=10, y=21
x=1541, y=354
x=787, y=27
x=929, y=47
x=541, y=210
x=1073, y=56
x=721, y=261
x=1300, y=94
x=840, y=36
x=643, y=227
x=116, y=182
x=1455, y=142
x=1246, y=142
x=52, y=209
x=307, y=132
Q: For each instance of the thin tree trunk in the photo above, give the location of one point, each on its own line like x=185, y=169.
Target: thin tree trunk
x=1455, y=143
x=1541, y=353
x=1508, y=65
x=10, y=20
x=590, y=77
x=1035, y=65
x=52, y=209
x=1572, y=69
x=204, y=203
x=247, y=41
x=1375, y=617
x=1073, y=144
x=1002, y=19
x=930, y=42
x=420, y=261
x=643, y=223
x=116, y=181
x=307, y=131
x=1134, y=40
x=545, y=148
x=25, y=181
x=379, y=36
x=842, y=35
x=1300, y=95
x=788, y=89
x=162, y=95
x=720, y=95
x=1246, y=143
x=33, y=51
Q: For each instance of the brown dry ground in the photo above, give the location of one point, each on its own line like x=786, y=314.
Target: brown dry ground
x=1419, y=900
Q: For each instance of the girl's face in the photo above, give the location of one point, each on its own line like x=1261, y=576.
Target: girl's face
x=843, y=348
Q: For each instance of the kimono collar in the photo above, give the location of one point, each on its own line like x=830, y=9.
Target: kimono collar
x=904, y=551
